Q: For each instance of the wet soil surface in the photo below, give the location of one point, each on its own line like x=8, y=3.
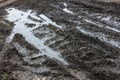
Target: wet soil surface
x=58, y=40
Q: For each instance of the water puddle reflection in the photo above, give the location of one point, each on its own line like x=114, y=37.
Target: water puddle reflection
x=66, y=9
x=100, y=36
x=20, y=19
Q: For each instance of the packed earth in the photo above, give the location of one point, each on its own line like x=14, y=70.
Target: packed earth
x=59, y=39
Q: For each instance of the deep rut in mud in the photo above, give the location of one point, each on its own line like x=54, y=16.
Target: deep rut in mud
x=60, y=40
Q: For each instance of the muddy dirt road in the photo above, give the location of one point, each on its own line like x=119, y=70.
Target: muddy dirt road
x=59, y=40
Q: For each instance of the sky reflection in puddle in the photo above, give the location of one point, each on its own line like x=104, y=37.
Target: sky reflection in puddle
x=20, y=18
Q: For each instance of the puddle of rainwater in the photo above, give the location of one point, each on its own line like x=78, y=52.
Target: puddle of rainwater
x=100, y=36
x=109, y=19
x=40, y=69
x=66, y=9
x=102, y=26
x=20, y=18
x=27, y=58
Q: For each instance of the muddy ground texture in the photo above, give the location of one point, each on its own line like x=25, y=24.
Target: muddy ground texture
x=84, y=38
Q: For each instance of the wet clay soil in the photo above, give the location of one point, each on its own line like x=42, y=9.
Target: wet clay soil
x=59, y=40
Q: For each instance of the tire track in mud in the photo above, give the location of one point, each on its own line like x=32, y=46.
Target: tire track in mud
x=37, y=58
x=96, y=31
x=100, y=23
x=81, y=49
x=109, y=28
